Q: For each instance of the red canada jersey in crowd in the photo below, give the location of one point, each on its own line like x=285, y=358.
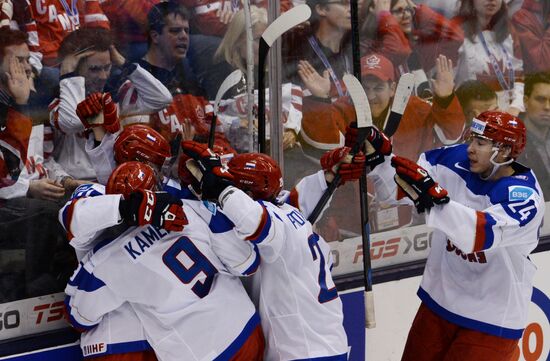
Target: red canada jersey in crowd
x=56, y=18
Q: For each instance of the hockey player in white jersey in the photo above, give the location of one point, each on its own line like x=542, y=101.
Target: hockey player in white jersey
x=486, y=210
x=190, y=305
x=298, y=302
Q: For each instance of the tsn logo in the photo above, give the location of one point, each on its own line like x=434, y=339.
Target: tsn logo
x=381, y=249
x=55, y=312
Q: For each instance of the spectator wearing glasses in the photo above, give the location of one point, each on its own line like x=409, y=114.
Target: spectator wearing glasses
x=532, y=26
x=491, y=51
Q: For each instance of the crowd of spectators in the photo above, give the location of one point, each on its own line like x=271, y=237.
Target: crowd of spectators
x=68, y=65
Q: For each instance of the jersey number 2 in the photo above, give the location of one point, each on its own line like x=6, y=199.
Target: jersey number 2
x=325, y=294
x=196, y=264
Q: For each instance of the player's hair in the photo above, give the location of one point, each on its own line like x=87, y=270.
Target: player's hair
x=474, y=90
x=156, y=18
x=499, y=22
x=9, y=37
x=532, y=79
x=84, y=39
x=235, y=37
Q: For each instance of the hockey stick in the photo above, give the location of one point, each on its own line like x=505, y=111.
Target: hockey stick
x=364, y=120
x=282, y=24
x=229, y=82
x=403, y=93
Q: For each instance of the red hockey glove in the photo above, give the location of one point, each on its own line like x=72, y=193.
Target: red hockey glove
x=214, y=177
x=111, y=122
x=90, y=108
x=379, y=144
x=417, y=184
x=339, y=159
x=157, y=208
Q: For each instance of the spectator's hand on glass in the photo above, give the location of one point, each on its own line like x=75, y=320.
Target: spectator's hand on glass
x=443, y=84
x=289, y=139
x=19, y=83
x=70, y=62
x=116, y=56
x=46, y=189
x=318, y=85
x=381, y=6
x=225, y=15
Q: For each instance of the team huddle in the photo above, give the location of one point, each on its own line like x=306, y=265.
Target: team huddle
x=163, y=260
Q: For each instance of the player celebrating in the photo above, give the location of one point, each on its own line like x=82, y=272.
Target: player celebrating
x=294, y=258
x=190, y=305
x=486, y=210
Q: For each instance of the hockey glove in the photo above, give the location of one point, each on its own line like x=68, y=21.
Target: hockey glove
x=214, y=177
x=417, y=184
x=111, y=122
x=157, y=208
x=340, y=159
x=90, y=108
x=378, y=144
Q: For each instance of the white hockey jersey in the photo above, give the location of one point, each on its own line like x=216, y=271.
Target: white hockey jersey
x=141, y=94
x=299, y=306
x=190, y=306
x=85, y=217
x=478, y=274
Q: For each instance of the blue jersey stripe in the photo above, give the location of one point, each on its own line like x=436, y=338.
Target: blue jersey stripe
x=236, y=345
x=342, y=357
x=469, y=323
x=254, y=266
x=86, y=281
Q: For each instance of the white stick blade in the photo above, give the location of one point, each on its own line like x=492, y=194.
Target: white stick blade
x=403, y=93
x=229, y=82
x=285, y=22
x=194, y=169
x=360, y=101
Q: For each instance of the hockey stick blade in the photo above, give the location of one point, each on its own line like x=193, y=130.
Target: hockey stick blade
x=364, y=120
x=285, y=22
x=402, y=95
x=194, y=169
x=229, y=82
x=360, y=101
x=278, y=27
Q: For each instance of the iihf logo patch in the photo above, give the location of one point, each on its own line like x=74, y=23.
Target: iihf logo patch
x=210, y=206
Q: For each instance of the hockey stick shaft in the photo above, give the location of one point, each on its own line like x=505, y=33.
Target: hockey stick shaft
x=370, y=321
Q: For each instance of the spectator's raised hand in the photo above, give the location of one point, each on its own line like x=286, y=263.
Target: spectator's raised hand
x=19, y=83
x=70, y=62
x=381, y=6
x=116, y=57
x=46, y=189
x=225, y=15
x=318, y=85
x=443, y=84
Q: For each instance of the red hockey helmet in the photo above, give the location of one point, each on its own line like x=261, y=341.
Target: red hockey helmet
x=131, y=176
x=257, y=174
x=142, y=143
x=501, y=127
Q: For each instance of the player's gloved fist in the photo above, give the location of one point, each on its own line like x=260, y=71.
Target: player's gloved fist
x=417, y=184
x=157, y=208
x=111, y=122
x=340, y=159
x=378, y=146
x=90, y=107
x=212, y=176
